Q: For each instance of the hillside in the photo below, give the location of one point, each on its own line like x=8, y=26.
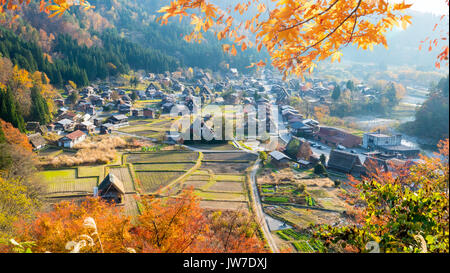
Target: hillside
x=112, y=39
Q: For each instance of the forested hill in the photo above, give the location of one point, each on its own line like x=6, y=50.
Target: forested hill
x=116, y=36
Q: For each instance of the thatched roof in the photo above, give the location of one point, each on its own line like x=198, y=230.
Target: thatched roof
x=37, y=140
x=111, y=182
x=343, y=161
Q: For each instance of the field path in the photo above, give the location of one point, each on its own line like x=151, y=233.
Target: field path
x=197, y=165
x=259, y=211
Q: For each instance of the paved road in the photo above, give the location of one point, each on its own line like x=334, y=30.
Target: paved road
x=259, y=211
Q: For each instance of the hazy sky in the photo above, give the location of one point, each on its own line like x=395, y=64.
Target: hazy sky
x=432, y=6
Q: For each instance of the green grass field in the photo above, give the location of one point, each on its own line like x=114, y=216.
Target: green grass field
x=89, y=171
x=65, y=182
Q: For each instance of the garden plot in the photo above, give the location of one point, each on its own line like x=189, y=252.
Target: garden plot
x=220, y=205
x=124, y=175
x=303, y=218
x=180, y=167
x=163, y=156
x=65, y=182
x=325, y=193
x=153, y=181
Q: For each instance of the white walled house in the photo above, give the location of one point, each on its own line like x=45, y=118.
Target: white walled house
x=72, y=139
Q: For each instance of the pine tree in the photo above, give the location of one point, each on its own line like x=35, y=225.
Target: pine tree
x=336, y=93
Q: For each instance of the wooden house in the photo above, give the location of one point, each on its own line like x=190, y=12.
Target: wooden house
x=345, y=162
x=279, y=159
x=112, y=190
x=37, y=141
x=72, y=139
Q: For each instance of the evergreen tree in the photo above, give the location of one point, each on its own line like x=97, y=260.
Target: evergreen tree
x=336, y=93
x=9, y=111
x=40, y=111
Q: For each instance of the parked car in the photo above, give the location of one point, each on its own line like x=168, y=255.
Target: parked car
x=340, y=147
x=319, y=147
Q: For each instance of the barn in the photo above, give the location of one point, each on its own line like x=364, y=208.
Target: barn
x=112, y=190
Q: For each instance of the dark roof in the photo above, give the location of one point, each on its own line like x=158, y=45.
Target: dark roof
x=111, y=182
x=119, y=117
x=278, y=155
x=36, y=140
x=343, y=161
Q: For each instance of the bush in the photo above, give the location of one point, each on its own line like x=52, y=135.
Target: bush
x=337, y=183
x=320, y=169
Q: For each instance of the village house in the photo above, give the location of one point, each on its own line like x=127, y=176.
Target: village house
x=388, y=144
x=279, y=159
x=345, y=162
x=124, y=108
x=136, y=113
x=69, y=115
x=299, y=128
x=72, y=139
x=106, y=128
x=148, y=113
x=85, y=126
x=118, y=120
x=32, y=126
x=37, y=141
x=64, y=125
x=334, y=137
x=112, y=190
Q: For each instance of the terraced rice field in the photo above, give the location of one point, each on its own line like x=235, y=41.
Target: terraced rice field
x=131, y=208
x=227, y=187
x=234, y=156
x=163, y=157
x=196, y=184
x=152, y=181
x=225, y=167
x=65, y=182
x=220, y=205
x=163, y=167
x=220, y=196
x=229, y=177
x=89, y=171
x=124, y=175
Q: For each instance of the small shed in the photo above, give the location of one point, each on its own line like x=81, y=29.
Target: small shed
x=112, y=190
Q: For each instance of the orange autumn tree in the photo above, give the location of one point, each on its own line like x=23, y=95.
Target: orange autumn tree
x=179, y=225
x=403, y=210
x=14, y=137
x=92, y=226
x=170, y=225
x=296, y=33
